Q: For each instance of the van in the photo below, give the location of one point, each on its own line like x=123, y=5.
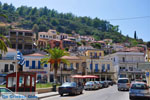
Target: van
x=123, y=84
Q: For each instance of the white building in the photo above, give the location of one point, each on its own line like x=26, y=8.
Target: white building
x=126, y=64
x=8, y=63
x=33, y=64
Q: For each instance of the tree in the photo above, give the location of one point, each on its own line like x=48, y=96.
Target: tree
x=54, y=57
x=135, y=35
x=3, y=46
x=148, y=44
x=35, y=29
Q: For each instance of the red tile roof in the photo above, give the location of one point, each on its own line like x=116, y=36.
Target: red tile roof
x=71, y=57
x=35, y=54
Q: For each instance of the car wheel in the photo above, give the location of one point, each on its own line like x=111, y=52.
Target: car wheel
x=61, y=94
x=81, y=92
x=130, y=97
x=118, y=89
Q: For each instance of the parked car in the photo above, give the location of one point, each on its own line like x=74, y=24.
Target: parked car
x=70, y=88
x=90, y=86
x=139, y=90
x=98, y=84
x=106, y=83
x=3, y=83
x=123, y=84
x=110, y=83
x=6, y=94
x=103, y=84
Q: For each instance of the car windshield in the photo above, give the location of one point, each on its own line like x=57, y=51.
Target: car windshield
x=123, y=81
x=88, y=83
x=139, y=86
x=72, y=84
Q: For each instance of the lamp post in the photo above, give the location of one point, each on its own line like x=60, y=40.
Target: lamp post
x=61, y=65
x=16, y=75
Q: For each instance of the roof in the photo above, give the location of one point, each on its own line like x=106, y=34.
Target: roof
x=35, y=54
x=22, y=30
x=71, y=57
x=66, y=40
x=11, y=50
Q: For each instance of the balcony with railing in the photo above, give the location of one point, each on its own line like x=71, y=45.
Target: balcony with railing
x=7, y=58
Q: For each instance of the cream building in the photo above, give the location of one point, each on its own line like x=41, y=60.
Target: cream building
x=33, y=64
x=126, y=64
x=102, y=68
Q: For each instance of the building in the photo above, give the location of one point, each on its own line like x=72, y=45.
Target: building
x=102, y=68
x=126, y=64
x=118, y=47
x=69, y=44
x=8, y=63
x=55, y=44
x=65, y=71
x=94, y=53
x=148, y=55
x=44, y=37
x=108, y=40
x=33, y=64
x=63, y=36
x=22, y=40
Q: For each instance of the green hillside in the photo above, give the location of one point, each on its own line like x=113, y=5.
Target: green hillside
x=44, y=18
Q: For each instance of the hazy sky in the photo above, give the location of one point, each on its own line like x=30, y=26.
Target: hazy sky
x=103, y=9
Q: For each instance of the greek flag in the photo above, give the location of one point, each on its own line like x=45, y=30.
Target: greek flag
x=20, y=58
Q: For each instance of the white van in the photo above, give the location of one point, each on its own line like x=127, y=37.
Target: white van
x=123, y=84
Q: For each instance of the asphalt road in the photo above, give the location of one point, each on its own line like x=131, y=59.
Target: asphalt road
x=110, y=93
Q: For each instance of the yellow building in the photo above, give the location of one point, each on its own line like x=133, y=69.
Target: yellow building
x=74, y=67
x=94, y=53
x=102, y=68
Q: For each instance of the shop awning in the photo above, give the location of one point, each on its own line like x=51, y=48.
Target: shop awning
x=85, y=76
x=90, y=76
x=77, y=76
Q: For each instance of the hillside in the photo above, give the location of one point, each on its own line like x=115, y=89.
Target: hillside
x=44, y=19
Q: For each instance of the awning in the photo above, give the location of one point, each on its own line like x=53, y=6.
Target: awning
x=3, y=75
x=85, y=76
x=77, y=76
x=90, y=76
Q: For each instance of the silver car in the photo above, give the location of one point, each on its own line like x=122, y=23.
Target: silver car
x=90, y=85
x=123, y=84
x=139, y=90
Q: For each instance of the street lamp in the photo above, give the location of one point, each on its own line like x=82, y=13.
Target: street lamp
x=61, y=65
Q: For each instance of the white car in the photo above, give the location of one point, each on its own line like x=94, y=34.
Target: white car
x=139, y=90
x=123, y=84
x=90, y=86
x=6, y=94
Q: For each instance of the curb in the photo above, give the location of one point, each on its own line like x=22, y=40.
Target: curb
x=47, y=96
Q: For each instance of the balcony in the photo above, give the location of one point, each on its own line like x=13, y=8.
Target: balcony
x=7, y=58
x=96, y=70
x=36, y=67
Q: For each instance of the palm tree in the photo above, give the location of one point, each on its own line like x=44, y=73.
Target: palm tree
x=54, y=57
x=3, y=39
x=3, y=46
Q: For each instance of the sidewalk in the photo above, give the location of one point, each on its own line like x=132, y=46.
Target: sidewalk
x=48, y=94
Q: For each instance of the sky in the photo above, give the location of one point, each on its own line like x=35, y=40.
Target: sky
x=110, y=10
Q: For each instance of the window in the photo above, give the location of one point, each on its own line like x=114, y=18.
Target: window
x=27, y=63
x=90, y=54
x=21, y=81
x=33, y=64
x=28, y=81
x=11, y=67
x=71, y=65
x=43, y=36
x=103, y=67
x=95, y=54
x=91, y=66
x=100, y=54
x=28, y=34
x=77, y=65
x=19, y=46
x=39, y=64
x=45, y=65
x=108, y=66
x=11, y=81
x=33, y=83
x=6, y=68
x=96, y=67
x=40, y=35
x=123, y=59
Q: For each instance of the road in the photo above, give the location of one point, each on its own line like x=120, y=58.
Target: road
x=110, y=93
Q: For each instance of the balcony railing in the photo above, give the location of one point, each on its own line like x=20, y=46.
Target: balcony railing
x=7, y=58
x=96, y=70
x=67, y=69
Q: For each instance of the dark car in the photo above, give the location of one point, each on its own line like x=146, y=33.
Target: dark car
x=110, y=83
x=3, y=83
x=70, y=88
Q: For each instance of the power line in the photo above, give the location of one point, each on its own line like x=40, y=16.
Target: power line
x=131, y=18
